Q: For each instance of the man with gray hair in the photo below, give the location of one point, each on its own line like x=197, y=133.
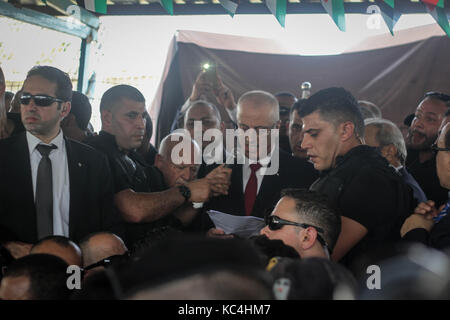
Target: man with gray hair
x=369, y=109
x=254, y=188
x=388, y=139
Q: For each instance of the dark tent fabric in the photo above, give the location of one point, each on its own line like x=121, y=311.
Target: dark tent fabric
x=395, y=78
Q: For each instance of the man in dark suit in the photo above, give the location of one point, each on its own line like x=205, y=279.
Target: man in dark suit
x=50, y=185
x=260, y=172
x=387, y=137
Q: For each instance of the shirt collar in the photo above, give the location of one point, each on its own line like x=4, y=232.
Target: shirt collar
x=34, y=141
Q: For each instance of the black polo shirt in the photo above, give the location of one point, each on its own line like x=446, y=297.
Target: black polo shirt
x=364, y=188
x=130, y=173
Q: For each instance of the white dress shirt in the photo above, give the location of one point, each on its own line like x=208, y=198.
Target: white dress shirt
x=60, y=177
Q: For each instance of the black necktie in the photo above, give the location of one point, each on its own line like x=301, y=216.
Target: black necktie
x=44, y=192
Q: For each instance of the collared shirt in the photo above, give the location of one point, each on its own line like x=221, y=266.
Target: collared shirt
x=60, y=179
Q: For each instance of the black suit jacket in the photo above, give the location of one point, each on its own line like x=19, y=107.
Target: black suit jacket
x=91, y=192
x=292, y=173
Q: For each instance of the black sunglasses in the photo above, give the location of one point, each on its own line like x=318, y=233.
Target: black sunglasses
x=107, y=262
x=276, y=223
x=435, y=148
x=40, y=99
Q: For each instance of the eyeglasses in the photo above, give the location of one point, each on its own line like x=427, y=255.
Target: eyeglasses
x=40, y=100
x=436, y=149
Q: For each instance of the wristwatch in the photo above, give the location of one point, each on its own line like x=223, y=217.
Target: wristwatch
x=185, y=192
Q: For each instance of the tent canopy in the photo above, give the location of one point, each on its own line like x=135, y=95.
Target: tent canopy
x=394, y=77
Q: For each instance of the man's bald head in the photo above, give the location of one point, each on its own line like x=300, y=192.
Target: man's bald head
x=174, y=139
x=262, y=101
x=177, y=166
x=61, y=247
x=99, y=246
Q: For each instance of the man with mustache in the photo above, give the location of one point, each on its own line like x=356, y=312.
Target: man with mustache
x=142, y=197
x=421, y=162
x=50, y=185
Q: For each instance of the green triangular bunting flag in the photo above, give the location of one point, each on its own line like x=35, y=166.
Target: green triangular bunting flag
x=440, y=16
x=230, y=6
x=434, y=3
x=390, y=16
x=95, y=5
x=167, y=5
x=335, y=9
x=278, y=9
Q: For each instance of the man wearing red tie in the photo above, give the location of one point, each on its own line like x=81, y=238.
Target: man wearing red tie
x=261, y=170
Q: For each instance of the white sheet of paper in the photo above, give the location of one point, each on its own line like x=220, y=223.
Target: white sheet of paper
x=242, y=226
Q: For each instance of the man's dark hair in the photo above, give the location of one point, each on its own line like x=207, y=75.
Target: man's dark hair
x=61, y=240
x=47, y=275
x=117, y=93
x=313, y=279
x=298, y=106
x=434, y=95
x=181, y=258
x=205, y=103
x=335, y=105
x=285, y=94
x=313, y=208
x=81, y=109
x=52, y=74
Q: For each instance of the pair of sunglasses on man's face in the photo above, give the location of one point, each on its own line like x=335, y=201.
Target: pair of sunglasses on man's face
x=40, y=100
x=276, y=223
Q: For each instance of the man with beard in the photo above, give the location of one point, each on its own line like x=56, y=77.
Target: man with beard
x=421, y=162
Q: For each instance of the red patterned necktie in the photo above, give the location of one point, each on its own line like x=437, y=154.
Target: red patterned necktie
x=251, y=189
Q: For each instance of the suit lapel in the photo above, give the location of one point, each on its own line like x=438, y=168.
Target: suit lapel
x=20, y=159
x=76, y=174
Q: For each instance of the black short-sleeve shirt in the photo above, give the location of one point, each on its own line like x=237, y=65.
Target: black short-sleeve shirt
x=129, y=173
x=371, y=193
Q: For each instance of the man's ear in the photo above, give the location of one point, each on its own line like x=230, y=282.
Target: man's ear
x=65, y=108
x=347, y=130
x=106, y=117
x=308, y=238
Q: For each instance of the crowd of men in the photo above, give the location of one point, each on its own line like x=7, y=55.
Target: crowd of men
x=338, y=188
